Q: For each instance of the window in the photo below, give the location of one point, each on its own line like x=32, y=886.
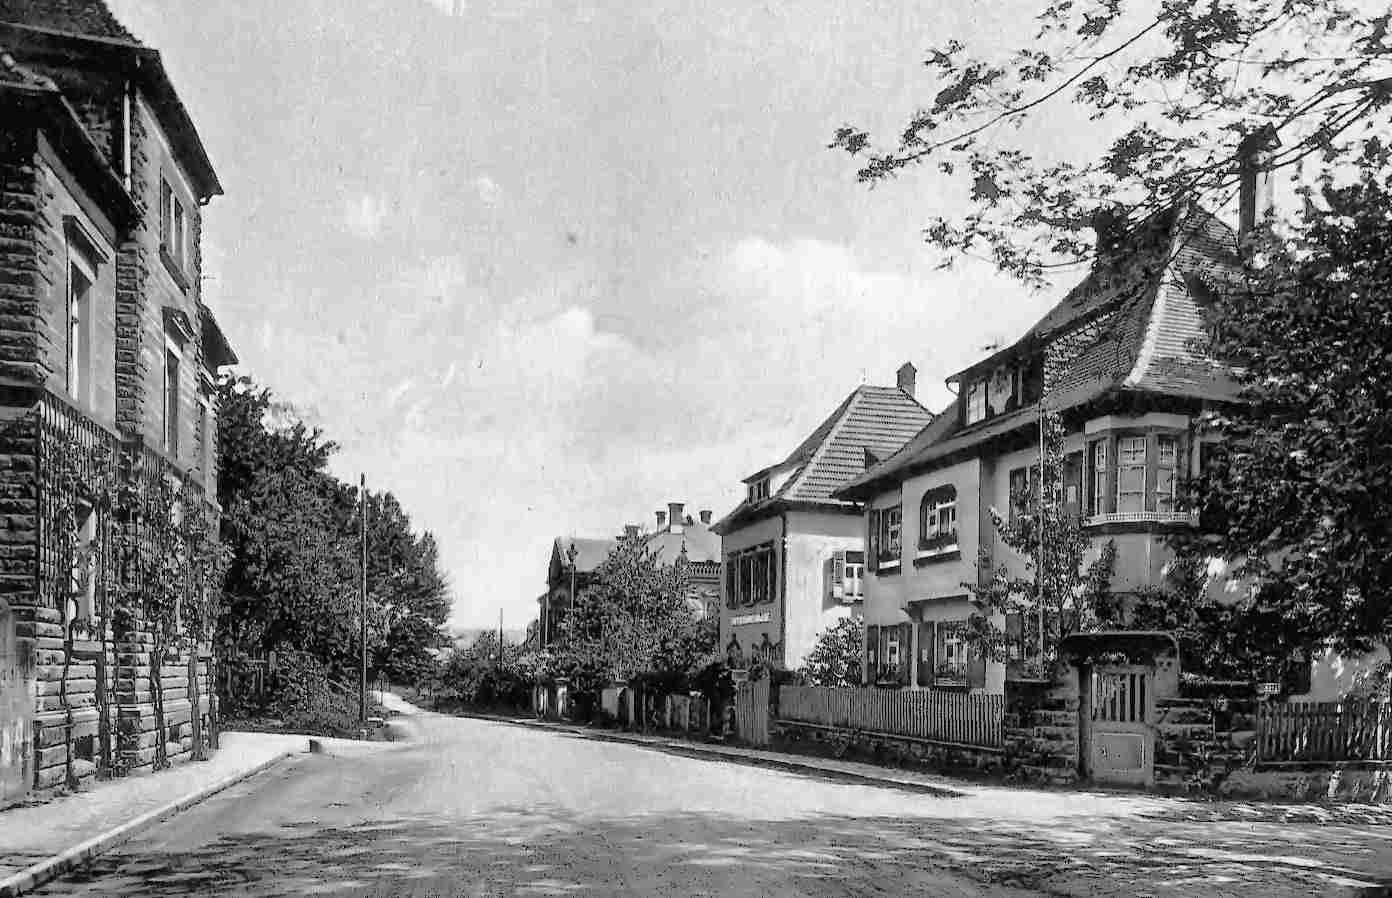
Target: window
x=171, y=399
x=872, y=654
x=937, y=519
x=751, y=576
x=173, y=227
x=1023, y=483
x=952, y=653
x=1131, y=475
x=887, y=540
x=1097, y=498
x=976, y=402
x=80, y=279
x=207, y=436
x=759, y=490
x=1167, y=456
x=847, y=575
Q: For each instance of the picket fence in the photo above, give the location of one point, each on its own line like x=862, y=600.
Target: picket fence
x=1324, y=731
x=939, y=716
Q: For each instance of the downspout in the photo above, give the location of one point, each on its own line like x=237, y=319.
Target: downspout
x=783, y=590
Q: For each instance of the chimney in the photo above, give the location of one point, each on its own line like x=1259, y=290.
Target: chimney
x=661, y=519
x=908, y=374
x=674, y=511
x=1109, y=224
x=630, y=530
x=706, y=516
x=1254, y=179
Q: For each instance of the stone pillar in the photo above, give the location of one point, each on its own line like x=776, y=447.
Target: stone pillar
x=562, y=694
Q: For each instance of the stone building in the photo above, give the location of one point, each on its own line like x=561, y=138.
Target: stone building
x=108, y=439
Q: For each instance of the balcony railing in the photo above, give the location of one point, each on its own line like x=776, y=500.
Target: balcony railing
x=1142, y=517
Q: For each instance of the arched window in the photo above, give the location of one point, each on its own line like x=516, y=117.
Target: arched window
x=937, y=518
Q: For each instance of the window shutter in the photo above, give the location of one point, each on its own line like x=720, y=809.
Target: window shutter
x=905, y=654
x=872, y=540
x=838, y=574
x=872, y=644
x=976, y=669
x=925, y=654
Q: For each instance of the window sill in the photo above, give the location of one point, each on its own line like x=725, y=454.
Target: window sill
x=936, y=552
x=181, y=279
x=887, y=567
x=937, y=558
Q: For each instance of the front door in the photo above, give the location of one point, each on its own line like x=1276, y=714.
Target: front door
x=1119, y=730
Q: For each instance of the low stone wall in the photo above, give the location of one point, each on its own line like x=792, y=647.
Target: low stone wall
x=1200, y=742
x=1041, y=730
x=884, y=749
x=1352, y=782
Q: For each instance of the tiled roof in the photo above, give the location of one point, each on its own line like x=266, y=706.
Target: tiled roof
x=1136, y=326
x=880, y=419
x=89, y=18
x=12, y=73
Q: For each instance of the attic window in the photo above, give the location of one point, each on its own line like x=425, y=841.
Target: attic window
x=759, y=490
x=976, y=402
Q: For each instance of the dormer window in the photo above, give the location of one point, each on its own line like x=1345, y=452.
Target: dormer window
x=759, y=490
x=976, y=401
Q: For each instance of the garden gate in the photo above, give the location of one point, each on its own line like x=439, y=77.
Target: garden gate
x=752, y=712
x=1117, y=725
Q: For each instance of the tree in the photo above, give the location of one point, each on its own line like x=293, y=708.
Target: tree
x=836, y=658
x=634, y=619
x=1295, y=495
x=1175, y=86
x=1072, y=591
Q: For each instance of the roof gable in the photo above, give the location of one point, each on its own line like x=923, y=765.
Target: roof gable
x=87, y=18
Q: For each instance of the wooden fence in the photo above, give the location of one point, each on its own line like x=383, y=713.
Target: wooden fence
x=1324, y=731
x=938, y=716
x=752, y=712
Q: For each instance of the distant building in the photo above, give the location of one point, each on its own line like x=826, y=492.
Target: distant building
x=794, y=557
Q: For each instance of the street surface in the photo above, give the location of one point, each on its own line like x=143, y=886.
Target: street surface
x=481, y=808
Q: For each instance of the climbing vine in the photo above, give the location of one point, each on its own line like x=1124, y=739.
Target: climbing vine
x=135, y=559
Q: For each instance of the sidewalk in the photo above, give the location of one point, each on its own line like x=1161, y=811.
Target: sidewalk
x=91, y=821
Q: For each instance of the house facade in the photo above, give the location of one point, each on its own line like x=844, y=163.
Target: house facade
x=794, y=556
x=1120, y=360
x=574, y=562
x=108, y=361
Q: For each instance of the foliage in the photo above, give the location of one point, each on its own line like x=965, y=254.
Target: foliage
x=483, y=675
x=292, y=529
x=308, y=701
x=1294, y=495
x=1174, y=86
x=634, y=619
x=836, y=658
x=1074, y=591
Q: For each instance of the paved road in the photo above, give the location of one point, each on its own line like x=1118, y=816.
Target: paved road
x=481, y=808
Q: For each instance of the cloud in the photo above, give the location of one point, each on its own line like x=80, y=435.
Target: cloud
x=363, y=217
x=501, y=423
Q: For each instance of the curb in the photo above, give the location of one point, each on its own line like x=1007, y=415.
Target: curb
x=701, y=749
x=51, y=868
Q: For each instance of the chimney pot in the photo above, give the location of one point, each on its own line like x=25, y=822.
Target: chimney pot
x=706, y=516
x=908, y=375
x=630, y=530
x=661, y=519
x=674, y=514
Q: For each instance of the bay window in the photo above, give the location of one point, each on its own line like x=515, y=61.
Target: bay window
x=1135, y=475
x=1165, y=465
x=1097, y=497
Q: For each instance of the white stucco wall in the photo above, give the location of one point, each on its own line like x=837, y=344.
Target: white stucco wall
x=813, y=539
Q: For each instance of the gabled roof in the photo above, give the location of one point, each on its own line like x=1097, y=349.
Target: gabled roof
x=87, y=18
x=69, y=32
x=880, y=419
x=1135, y=324
x=589, y=553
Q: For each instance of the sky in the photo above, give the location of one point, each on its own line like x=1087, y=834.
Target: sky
x=541, y=268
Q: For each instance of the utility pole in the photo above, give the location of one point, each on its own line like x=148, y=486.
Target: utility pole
x=362, y=606
x=500, y=640
x=1040, y=576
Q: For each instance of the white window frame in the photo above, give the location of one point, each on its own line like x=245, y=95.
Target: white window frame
x=853, y=577
x=1097, y=462
x=1128, y=462
x=1165, y=498
x=976, y=401
x=79, y=323
x=170, y=424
